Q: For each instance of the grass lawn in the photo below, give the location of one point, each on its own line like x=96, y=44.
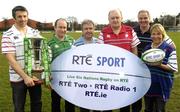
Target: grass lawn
x=5, y=89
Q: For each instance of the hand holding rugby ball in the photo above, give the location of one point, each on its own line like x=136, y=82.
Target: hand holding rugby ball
x=153, y=56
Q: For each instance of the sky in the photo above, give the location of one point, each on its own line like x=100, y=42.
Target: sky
x=96, y=10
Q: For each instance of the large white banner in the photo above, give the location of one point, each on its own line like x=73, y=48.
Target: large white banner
x=100, y=77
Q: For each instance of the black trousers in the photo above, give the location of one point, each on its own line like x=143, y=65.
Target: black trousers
x=86, y=110
x=137, y=106
x=125, y=109
x=56, y=102
x=19, y=90
x=154, y=104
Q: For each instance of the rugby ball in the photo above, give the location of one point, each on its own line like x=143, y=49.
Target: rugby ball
x=153, y=56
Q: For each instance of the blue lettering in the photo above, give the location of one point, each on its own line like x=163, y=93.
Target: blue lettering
x=117, y=60
x=80, y=60
x=122, y=60
x=110, y=61
x=98, y=60
x=104, y=59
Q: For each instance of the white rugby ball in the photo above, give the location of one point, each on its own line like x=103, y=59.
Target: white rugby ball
x=153, y=56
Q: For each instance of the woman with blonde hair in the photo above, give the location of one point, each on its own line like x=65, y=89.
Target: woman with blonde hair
x=162, y=74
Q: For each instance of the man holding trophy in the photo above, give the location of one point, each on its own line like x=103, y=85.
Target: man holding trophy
x=22, y=45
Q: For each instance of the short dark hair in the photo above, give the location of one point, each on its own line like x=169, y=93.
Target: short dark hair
x=62, y=19
x=18, y=8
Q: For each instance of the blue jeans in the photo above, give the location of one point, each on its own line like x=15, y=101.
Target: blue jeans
x=19, y=90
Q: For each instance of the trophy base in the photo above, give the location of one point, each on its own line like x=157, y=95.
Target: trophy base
x=37, y=70
x=38, y=82
x=37, y=76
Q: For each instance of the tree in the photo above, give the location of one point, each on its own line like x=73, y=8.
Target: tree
x=156, y=20
x=5, y=23
x=72, y=22
x=131, y=23
x=39, y=25
x=178, y=20
x=167, y=20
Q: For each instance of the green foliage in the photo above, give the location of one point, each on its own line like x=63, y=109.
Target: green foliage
x=172, y=105
x=5, y=92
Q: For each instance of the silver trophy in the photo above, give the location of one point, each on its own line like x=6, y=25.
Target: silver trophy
x=33, y=58
x=37, y=68
x=37, y=59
